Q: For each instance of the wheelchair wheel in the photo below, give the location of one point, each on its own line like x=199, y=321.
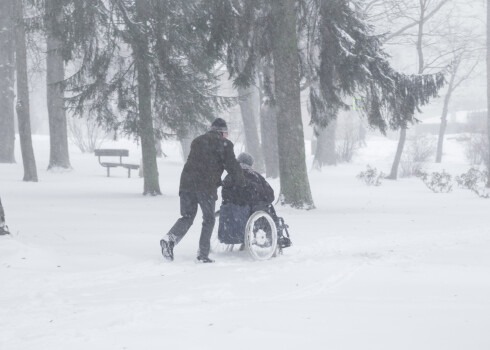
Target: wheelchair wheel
x=261, y=236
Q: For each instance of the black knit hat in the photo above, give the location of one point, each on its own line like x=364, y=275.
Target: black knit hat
x=245, y=158
x=219, y=125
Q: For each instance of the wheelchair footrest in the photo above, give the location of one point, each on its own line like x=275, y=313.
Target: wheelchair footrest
x=284, y=242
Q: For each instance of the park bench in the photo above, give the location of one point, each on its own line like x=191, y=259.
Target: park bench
x=115, y=153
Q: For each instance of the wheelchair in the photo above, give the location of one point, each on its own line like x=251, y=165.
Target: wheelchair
x=258, y=230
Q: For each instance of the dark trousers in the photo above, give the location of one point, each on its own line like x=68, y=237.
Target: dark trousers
x=188, y=211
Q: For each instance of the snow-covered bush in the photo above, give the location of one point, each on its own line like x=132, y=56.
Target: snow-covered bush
x=438, y=182
x=474, y=180
x=417, y=152
x=470, y=179
x=371, y=176
x=85, y=133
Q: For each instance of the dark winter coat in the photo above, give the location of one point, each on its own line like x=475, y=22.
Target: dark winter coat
x=255, y=190
x=239, y=202
x=209, y=156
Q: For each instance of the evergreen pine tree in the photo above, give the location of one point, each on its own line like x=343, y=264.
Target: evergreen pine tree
x=23, y=114
x=144, y=69
x=342, y=57
x=248, y=32
x=7, y=77
x=347, y=59
x=59, y=156
x=295, y=187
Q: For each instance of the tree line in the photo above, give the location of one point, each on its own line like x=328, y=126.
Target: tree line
x=147, y=69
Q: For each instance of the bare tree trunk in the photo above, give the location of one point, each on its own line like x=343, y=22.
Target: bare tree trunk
x=140, y=52
x=268, y=129
x=158, y=148
x=403, y=132
x=268, y=126
x=295, y=187
x=488, y=89
x=30, y=171
x=58, y=130
x=7, y=70
x=325, y=153
x=249, y=111
x=442, y=129
x=398, y=156
x=420, y=35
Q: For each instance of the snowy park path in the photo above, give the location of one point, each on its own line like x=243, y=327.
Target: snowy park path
x=394, y=267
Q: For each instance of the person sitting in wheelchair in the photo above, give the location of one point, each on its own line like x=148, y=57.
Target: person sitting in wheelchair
x=256, y=193
x=239, y=202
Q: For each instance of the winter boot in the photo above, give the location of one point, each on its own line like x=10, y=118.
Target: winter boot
x=167, y=249
x=204, y=259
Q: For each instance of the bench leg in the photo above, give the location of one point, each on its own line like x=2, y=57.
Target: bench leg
x=108, y=172
x=129, y=172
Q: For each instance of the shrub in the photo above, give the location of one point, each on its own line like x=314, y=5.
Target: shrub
x=371, y=176
x=438, y=182
x=346, y=147
x=474, y=180
x=85, y=134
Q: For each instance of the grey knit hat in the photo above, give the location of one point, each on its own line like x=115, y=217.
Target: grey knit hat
x=245, y=158
x=219, y=125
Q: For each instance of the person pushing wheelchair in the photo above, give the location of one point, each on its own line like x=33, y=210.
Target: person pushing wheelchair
x=210, y=155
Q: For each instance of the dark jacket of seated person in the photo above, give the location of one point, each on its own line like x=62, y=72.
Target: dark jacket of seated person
x=240, y=201
x=256, y=189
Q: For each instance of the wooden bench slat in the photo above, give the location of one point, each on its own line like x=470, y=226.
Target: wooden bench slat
x=112, y=165
x=106, y=152
x=130, y=166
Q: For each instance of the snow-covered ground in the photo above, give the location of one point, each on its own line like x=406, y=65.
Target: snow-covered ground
x=392, y=267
